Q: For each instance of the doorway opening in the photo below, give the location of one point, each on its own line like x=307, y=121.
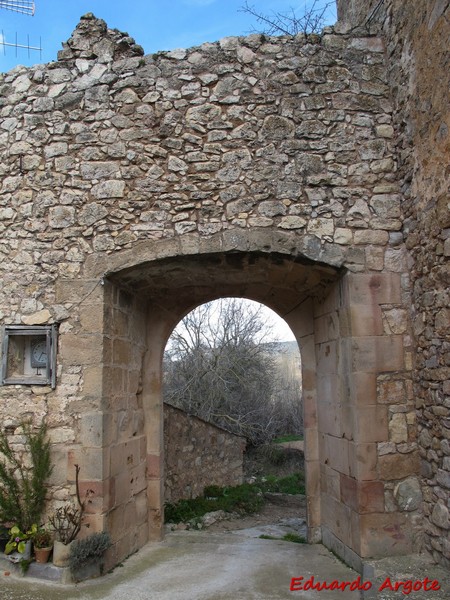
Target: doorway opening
x=233, y=418
x=147, y=299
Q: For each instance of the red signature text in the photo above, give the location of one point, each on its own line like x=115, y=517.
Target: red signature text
x=405, y=587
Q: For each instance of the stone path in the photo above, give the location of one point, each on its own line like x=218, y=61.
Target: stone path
x=192, y=565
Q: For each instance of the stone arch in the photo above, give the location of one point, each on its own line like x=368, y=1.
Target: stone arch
x=334, y=315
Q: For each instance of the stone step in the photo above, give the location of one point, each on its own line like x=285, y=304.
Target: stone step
x=45, y=571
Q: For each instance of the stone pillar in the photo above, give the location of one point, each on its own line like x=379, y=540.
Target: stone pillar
x=356, y=355
x=81, y=351
x=158, y=328
x=123, y=419
x=302, y=324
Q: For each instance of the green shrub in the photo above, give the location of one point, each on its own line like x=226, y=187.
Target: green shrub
x=88, y=550
x=23, y=482
x=291, y=484
x=244, y=499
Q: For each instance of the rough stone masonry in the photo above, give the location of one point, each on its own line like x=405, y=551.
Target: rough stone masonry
x=134, y=188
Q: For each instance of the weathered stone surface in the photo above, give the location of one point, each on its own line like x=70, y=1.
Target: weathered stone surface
x=38, y=318
x=395, y=466
x=408, y=494
x=108, y=189
x=61, y=217
x=440, y=515
x=415, y=40
x=92, y=213
x=198, y=454
x=398, y=430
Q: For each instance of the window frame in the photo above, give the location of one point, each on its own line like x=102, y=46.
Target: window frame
x=50, y=332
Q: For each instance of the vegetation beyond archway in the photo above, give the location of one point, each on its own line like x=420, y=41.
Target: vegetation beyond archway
x=224, y=364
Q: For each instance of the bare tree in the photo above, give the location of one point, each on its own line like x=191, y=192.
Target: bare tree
x=217, y=366
x=291, y=22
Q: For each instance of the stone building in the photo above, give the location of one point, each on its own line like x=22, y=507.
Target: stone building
x=305, y=173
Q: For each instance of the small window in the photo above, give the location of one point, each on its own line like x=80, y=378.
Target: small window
x=29, y=355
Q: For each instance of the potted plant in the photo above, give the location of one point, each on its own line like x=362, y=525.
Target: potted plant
x=66, y=522
x=86, y=556
x=43, y=545
x=18, y=548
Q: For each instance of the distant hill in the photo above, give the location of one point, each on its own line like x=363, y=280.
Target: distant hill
x=281, y=347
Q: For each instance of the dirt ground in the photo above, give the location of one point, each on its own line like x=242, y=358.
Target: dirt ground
x=282, y=512
x=270, y=514
x=285, y=460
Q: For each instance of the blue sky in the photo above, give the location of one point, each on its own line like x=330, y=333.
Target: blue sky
x=155, y=24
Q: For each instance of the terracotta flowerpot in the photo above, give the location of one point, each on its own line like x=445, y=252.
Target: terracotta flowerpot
x=42, y=554
x=61, y=553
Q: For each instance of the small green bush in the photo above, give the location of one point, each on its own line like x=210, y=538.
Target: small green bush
x=244, y=499
x=88, y=549
x=291, y=484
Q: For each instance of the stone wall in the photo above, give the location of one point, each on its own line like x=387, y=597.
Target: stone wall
x=197, y=454
x=417, y=35
x=134, y=188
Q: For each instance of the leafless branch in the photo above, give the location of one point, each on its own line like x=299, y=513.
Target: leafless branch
x=290, y=23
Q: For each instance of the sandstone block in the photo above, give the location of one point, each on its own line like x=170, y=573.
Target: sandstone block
x=398, y=466
x=391, y=392
x=37, y=318
x=388, y=534
x=398, y=429
x=93, y=462
x=371, y=424
x=80, y=349
x=377, y=354
x=337, y=518
x=381, y=288
x=363, y=461
x=361, y=320
x=362, y=497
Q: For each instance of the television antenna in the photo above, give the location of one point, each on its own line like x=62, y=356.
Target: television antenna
x=25, y=7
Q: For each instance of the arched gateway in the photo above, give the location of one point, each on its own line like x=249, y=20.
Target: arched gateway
x=137, y=187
